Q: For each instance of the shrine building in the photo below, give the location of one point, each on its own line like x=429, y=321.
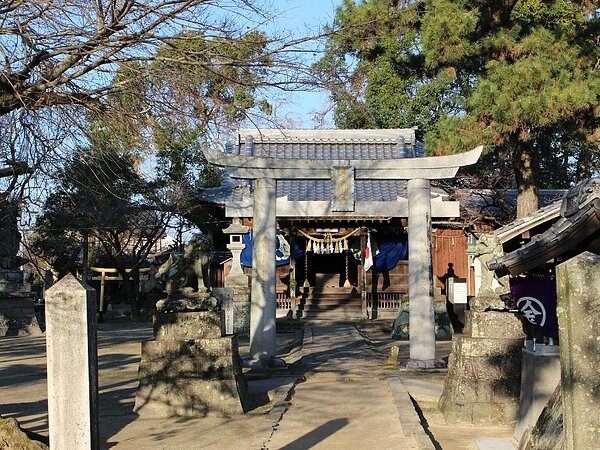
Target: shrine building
x=336, y=222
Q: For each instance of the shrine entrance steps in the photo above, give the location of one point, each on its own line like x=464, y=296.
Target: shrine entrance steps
x=330, y=303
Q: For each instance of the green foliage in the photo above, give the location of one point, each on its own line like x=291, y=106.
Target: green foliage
x=519, y=77
x=376, y=70
x=211, y=78
x=99, y=193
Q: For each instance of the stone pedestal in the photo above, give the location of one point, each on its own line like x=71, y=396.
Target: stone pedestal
x=189, y=369
x=540, y=374
x=484, y=370
x=443, y=331
x=17, y=314
x=578, y=310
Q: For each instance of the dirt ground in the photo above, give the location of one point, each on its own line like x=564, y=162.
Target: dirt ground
x=425, y=388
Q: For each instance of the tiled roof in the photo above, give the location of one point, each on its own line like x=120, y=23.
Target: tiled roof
x=327, y=144
x=320, y=145
x=308, y=190
x=571, y=234
x=365, y=190
x=542, y=215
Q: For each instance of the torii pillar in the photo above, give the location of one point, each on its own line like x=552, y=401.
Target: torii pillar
x=420, y=272
x=266, y=170
x=263, y=298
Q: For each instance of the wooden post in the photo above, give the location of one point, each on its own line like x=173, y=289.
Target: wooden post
x=363, y=272
x=292, y=282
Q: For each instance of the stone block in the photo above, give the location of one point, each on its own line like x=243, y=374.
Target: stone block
x=487, y=369
x=487, y=348
x=195, y=348
x=17, y=317
x=494, y=324
x=187, y=325
x=540, y=375
x=188, y=398
x=200, y=368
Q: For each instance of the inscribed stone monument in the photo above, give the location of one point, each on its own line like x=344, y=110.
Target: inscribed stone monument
x=72, y=365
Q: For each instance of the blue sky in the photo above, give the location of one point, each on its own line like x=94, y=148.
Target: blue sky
x=303, y=17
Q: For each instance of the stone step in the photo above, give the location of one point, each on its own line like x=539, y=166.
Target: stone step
x=331, y=290
x=317, y=308
x=331, y=315
x=330, y=301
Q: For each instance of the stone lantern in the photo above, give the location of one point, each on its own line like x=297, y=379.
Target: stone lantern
x=236, y=276
x=235, y=295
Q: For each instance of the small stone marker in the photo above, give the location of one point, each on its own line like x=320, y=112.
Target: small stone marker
x=72, y=365
x=394, y=352
x=225, y=296
x=578, y=310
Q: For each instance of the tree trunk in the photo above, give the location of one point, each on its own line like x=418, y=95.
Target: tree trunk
x=584, y=164
x=527, y=187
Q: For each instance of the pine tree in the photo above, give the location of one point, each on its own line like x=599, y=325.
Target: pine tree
x=520, y=76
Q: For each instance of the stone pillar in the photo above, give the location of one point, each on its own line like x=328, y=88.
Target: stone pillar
x=420, y=271
x=72, y=365
x=578, y=310
x=263, y=297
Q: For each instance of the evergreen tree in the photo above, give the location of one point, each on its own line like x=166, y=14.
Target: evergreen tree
x=519, y=76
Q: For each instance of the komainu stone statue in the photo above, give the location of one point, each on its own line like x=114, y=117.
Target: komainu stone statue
x=184, y=278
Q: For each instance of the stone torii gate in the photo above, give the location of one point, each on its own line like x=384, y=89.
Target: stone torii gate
x=266, y=171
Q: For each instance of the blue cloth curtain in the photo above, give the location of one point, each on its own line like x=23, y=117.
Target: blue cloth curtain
x=281, y=257
x=389, y=253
